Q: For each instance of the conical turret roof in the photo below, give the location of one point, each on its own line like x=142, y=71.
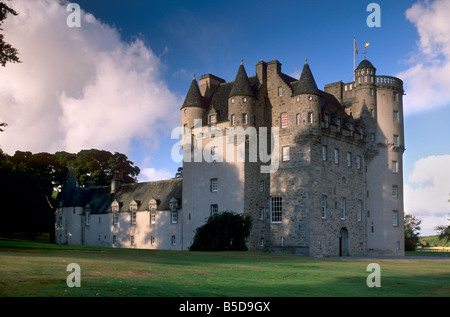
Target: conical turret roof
x=194, y=97
x=241, y=85
x=306, y=84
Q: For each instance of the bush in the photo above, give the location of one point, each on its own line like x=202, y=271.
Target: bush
x=225, y=231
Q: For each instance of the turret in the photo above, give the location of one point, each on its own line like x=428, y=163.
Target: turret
x=241, y=100
x=307, y=97
x=365, y=90
x=194, y=106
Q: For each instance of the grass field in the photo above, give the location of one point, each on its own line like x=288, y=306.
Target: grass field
x=35, y=269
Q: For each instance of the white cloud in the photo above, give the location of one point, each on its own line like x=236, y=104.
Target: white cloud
x=427, y=81
x=81, y=87
x=152, y=174
x=427, y=192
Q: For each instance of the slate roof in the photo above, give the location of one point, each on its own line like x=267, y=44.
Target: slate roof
x=241, y=85
x=306, y=84
x=100, y=198
x=194, y=97
x=365, y=64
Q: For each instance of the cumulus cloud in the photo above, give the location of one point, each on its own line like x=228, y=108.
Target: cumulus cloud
x=80, y=87
x=427, y=81
x=152, y=174
x=427, y=192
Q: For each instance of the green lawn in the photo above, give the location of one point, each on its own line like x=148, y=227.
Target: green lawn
x=39, y=269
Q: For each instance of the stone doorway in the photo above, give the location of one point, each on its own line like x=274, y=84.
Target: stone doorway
x=343, y=242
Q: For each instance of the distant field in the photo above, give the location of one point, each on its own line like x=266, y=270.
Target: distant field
x=39, y=270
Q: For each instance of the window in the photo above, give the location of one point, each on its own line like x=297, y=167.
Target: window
x=261, y=186
x=360, y=210
x=132, y=240
x=394, y=167
x=115, y=216
x=60, y=222
x=244, y=118
x=396, y=117
x=351, y=129
x=133, y=215
x=372, y=137
x=214, y=209
x=298, y=118
x=276, y=209
x=395, y=96
x=323, y=203
x=343, y=207
x=284, y=120
x=358, y=162
x=173, y=240
x=371, y=91
x=338, y=124
x=174, y=216
x=262, y=242
x=214, y=153
x=233, y=119
x=310, y=117
x=261, y=213
x=324, y=152
x=395, y=140
x=286, y=153
x=395, y=218
x=212, y=120
x=152, y=240
x=88, y=218
x=349, y=159
x=152, y=216
x=345, y=88
x=213, y=185
x=372, y=113
x=395, y=191
x=327, y=120
x=280, y=91
x=185, y=130
x=336, y=156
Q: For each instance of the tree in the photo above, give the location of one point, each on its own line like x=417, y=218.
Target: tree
x=444, y=232
x=412, y=228
x=225, y=231
x=8, y=54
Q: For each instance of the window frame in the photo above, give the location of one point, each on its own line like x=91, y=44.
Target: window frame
x=276, y=209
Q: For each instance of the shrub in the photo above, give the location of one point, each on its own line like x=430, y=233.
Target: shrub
x=225, y=231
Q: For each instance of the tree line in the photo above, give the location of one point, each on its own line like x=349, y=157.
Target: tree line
x=30, y=184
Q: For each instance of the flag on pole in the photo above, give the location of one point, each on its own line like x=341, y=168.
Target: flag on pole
x=356, y=49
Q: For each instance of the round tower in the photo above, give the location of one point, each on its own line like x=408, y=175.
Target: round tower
x=385, y=229
x=241, y=100
x=194, y=107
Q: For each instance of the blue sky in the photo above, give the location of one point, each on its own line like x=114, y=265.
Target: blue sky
x=155, y=47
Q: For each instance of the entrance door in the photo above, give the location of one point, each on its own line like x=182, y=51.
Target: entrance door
x=343, y=242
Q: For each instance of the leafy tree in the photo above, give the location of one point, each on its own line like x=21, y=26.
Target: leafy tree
x=412, y=228
x=444, y=232
x=225, y=231
x=8, y=54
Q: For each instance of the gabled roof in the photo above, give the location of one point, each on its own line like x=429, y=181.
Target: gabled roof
x=241, y=85
x=194, y=97
x=306, y=84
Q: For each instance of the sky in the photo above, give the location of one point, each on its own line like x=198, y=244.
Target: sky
x=117, y=82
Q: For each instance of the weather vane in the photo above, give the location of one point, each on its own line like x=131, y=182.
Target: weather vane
x=365, y=45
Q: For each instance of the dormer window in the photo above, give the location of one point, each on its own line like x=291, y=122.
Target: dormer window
x=132, y=215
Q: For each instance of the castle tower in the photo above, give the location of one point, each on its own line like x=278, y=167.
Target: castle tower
x=241, y=101
x=193, y=107
x=382, y=97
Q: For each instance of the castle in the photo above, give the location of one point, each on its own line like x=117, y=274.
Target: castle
x=328, y=181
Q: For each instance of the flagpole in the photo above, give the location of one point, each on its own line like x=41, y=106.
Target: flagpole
x=354, y=57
